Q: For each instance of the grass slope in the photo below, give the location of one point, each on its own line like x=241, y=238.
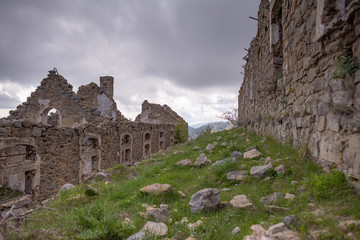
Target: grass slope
x=322, y=200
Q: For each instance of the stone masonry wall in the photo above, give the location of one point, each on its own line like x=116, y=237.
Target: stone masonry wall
x=293, y=88
x=41, y=151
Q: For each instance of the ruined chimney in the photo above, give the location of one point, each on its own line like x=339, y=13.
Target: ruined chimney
x=107, y=85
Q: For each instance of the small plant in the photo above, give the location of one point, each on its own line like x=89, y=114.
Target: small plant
x=328, y=185
x=290, y=90
x=347, y=64
x=343, y=109
x=296, y=114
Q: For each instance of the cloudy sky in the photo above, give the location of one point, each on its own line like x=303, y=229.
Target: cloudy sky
x=183, y=53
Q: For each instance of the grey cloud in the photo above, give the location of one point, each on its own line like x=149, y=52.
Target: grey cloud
x=8, y=102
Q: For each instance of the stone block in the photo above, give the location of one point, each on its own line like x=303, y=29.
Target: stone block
x=333, y=122
x=305, y=122
x=18, y=124
x=343, y=98
x=36, y=132
x=321, y=124
x=351, y=155
x=3, y=132
x=314, y=145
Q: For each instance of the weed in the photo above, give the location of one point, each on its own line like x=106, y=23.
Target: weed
x=347, y=64
x=343, y=109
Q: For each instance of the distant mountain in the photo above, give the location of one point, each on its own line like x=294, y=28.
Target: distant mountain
x=214, y=127
x=199, y=125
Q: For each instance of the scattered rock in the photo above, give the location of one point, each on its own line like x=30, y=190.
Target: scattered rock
x=271, y=199
x=260, y=171
x=157, y=229
x=294, y=182
x=280, y=169
x=156, y=188
x=348, y=223
x=276, y=232
x=159, y=214
x=196, y=148
x=218, y=138
x=263, y=140
x=100, y=176
x=185, y=162
x=236, y=155
x=220, y=162
x=254, y=153
x=225, y=189
x=267, y=179
x=66, y=186
x=208, y=198
x=289, y=196
x=241, y=201
x=178, y=152
x=289, y=221
x=268, y=160
x=191, y=238
x=237, y=175
x=224, y=144
x=251, y=148
x=202, y=160
x=211, y=146
x=91, y=191
x=182, y=195
x=275, y=209
x=133, y=174
x=235, y=231
x=192, y=226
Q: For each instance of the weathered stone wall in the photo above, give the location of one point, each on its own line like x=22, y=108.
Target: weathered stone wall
x=41, y=151
x=68, y=155
x=292, y=88
x=91, y=104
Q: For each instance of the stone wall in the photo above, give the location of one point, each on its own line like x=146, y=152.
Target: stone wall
x=40, y=152
x=302, y=83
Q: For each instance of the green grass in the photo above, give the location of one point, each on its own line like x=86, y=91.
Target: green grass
x=78, y=215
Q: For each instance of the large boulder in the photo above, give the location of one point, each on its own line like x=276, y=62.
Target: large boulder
x=208, y=198
x=237, y=175
x=261, y=171
x=253, y=153
x=156, y=188
x=202, y=160
x=241, y=201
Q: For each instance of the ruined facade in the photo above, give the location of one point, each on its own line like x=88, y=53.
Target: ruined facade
x=41, y=151
x=301, y=81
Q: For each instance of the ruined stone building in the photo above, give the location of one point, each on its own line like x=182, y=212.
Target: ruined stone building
x=58, y=136
x=301, y=81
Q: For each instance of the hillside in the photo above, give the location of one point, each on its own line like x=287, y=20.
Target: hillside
x=293, y=190
x=214, y=127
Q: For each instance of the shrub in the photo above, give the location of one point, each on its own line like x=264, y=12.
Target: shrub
x=181, y=133
x=347, y=64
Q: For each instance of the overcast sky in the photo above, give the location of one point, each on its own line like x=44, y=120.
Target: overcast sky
x=183, y=53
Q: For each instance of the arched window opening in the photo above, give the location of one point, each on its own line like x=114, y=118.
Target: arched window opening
x=52, y=117
x=126, y=139
x=147, y=136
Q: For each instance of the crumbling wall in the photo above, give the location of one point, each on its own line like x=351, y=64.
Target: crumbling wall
x=155, y=113
x=292, y=88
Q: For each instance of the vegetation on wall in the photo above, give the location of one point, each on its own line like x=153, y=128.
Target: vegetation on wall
x=347, y=64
